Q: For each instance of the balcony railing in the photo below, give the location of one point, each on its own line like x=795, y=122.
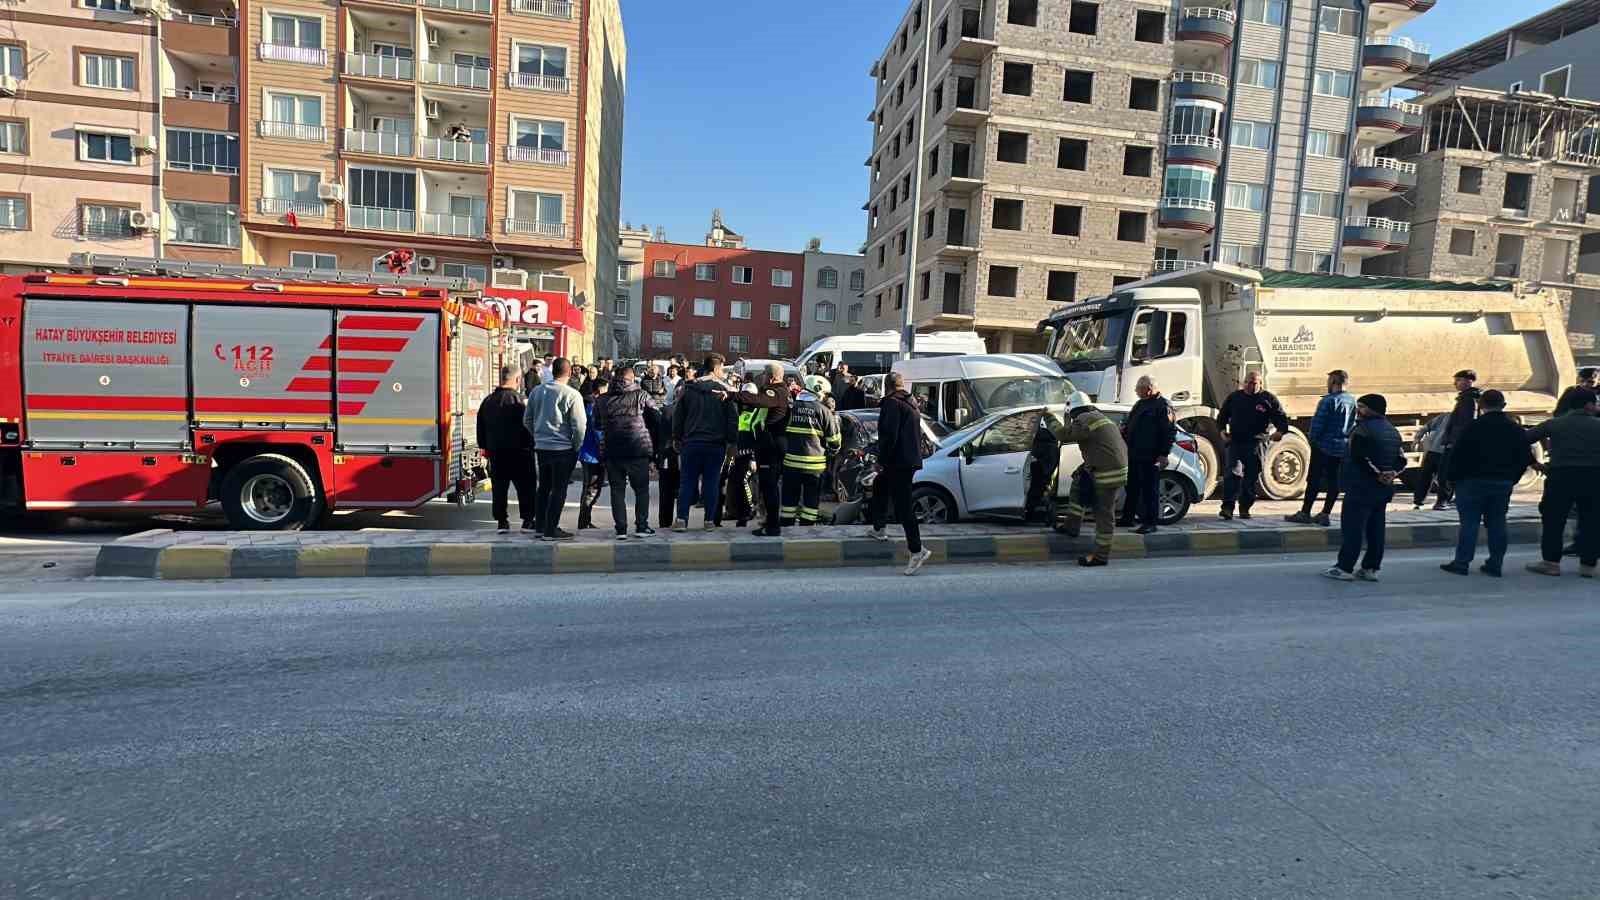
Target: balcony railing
x=372, y=65
x=382, y=143
x=1178, y=265
x=1208, y=12
x=306, y=56
x=537, y=155
x=293, y=131
x=197, y=19
x=1395, y=40
x=1194, y=140
x=202, y=168
x=378, y=218
x=228, y=96
x=447, y=225
x=1188, y=203
x=1410, y=109
x=276, y=206
x=451, y=75
x=542, y=229
x=1201, y=78
x=553, y=9
x=1386, y=162
x=1375, y=222
x=534, y=81
x=447, y=150
x=476, y=6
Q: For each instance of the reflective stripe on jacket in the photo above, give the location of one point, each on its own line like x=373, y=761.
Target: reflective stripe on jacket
x=811, y=432
x=1105, y=453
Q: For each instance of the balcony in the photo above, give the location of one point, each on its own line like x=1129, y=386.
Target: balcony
x=1378, y=177
x=1380, y=121
x=549, y=9
x=275, y=206
x=538, y=229
x=378, y=218
x=965, y=116
x=379, y=143
x=1163, y=266
x=1387, y=60
x=1375, y=237
x=451, y=75
x=447, y=225
x=472, y=6
x=1185, y=217
x=292, y=131
x=537, y=156
x=305, y=56
x=1207, y=24
x=1200, y=86
x=195, y=33
x=453, y=151
x=371, y=65
x=1194, y=150
x=1390, y=13
x=224, y=95
x=533, y=81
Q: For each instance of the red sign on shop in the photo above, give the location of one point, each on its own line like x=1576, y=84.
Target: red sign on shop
x=536, y=309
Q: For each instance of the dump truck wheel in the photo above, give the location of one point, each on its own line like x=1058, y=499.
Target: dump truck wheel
x=1284, y=470
x=269, y=492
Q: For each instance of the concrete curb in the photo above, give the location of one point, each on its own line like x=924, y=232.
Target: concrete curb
x=361, y=560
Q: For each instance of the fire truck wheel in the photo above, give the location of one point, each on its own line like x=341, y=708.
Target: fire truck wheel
x=269, y=492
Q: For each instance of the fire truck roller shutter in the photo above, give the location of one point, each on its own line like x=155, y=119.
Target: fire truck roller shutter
x=263, y=367
x=388, y=385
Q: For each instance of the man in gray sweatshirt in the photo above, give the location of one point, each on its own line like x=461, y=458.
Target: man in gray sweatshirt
x=557, y=422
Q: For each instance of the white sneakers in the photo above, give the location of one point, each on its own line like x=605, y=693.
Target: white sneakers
x=917, y=560
x=878, y=535
x=1338, y=574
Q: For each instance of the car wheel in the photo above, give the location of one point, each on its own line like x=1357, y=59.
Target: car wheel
x=932, y=506
x=1210, y=468
x=1174, y=498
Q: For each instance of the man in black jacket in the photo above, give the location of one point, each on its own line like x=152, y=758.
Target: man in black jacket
x=1243, y=420
x=1150, y=431
x=768, y=411
x=1489, y=459
x=509, y=447
x=703, y=425
x=899, y=458
x=628, y=422
x=1466, y=409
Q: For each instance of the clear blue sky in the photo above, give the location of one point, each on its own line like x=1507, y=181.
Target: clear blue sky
x=760, y=109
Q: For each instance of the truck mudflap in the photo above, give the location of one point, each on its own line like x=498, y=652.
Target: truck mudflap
x=121, y=479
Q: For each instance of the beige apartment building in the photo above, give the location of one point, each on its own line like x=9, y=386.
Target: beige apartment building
x=319, y=134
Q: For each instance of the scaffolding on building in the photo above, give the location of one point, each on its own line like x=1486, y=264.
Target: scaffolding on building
x=1523, y=125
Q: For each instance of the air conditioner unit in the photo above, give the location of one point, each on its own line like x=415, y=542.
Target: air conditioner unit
x=9, y=85
x=145, y=143
x=511, y=279
x=430, y=108
x=670, y=317
x=504, y=262
x=143, y=220
x=433, y=37
x=783, y=323
x=330, y=191
x=427, y=263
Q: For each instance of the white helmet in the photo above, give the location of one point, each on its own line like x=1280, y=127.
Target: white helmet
x=1078, y=400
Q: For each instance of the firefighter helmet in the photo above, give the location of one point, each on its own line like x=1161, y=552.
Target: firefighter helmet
x=818, y=385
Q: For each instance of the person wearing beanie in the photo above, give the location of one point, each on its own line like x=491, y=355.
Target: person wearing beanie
x=1490, y=459
x=1368, y=476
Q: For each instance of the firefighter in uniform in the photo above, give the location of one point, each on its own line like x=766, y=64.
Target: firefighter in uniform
x=1104, y=473
x=739, y=497
x=813, y=430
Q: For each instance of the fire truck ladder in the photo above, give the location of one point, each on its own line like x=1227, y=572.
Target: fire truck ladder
x=105, y=264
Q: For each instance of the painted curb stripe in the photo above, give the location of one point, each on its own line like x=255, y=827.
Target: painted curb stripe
x=194, y=563
x=332, y=562
x=460, y=559
x=1213, y=542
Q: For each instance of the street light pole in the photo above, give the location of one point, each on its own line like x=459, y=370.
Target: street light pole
x=908, y=321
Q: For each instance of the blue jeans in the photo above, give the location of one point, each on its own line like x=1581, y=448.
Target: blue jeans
x=1363, y=519
x=700, y=478
x=1478, y=499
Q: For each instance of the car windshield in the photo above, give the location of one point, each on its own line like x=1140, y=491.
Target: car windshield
x=1028, y=390
x=1092, y=342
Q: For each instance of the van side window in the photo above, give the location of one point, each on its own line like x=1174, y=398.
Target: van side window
x=926, y=395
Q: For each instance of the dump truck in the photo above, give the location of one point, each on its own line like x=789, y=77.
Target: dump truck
x=1199, y=331
x=275, y=393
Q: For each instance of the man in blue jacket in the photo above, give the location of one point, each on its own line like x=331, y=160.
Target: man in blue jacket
x=1330, y=441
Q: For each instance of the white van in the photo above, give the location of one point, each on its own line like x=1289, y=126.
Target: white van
x=957, y=391
x=874, y=354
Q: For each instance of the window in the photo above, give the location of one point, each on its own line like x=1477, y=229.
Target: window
x=1144, y=94
x=13, y=137
x=1326, y=143
x=383, y=189
x=1255, y=135
x=872, y=219
x=1022, y=12
x=740, y=309
x=1267, y=12
x=1258, y=72
x=661, y=340
x=480, y=274
x=202, y=151
x=927, y=224
x=666, y=268
x=297, y=109
x=924, y=283
x=705, y=272
x=828, y=279
x=1017, y=79
x=1555, y=83
x=539, y=134
x=785, y=278
x=899, y=296
x=536, y=59
x=700, y=341
x=744, y=275
x=778, y=348
x=705, y=308
x=877, y=306
x=1320, y=203
x=295, y=31
x=624, y=272
x=1189, y=183
x=216, y=224
x=661, y=305
x=1150, y=27
x=112, y=72
x=779, y=312
x=1073, y=153
x=1340, y=21
x=301, y=259
x=1243, y=195
x=1084, y=18
x=900, y=241
x=1333, y=82
x=11, y=61
x=1240, y=254
x=1007, y=214
x=1138, y=161
x=1131, y=226
x=13, y=214
x=1308, y=261
x=619, y=306
x=103, y=221
x=738, y=343
x=933, y=162
x=1471, y=180
x=882, y=250
x=1061, y=287
x=826, y=312
x=853, y=315
x=1068, y=220
x=1003, y=280
x=858, y=281
x=113, y=148
x=295, y=187
x=110, y=5
x=1463, y=241
x=1079, y=87
x=1012, y=147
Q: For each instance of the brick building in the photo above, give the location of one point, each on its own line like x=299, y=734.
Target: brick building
x=736, y=301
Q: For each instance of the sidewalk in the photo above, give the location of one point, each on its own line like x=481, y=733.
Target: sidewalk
x=388, y=553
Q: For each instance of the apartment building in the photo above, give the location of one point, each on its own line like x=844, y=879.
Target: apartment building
x=319, y=134
x=625, y=316
x=79, y=119
x=832, y=301
x=730, y=299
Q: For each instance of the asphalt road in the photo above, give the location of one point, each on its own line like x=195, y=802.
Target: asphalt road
x=1221, y=728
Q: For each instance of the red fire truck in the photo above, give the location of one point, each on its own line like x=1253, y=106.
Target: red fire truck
x=281, y=399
